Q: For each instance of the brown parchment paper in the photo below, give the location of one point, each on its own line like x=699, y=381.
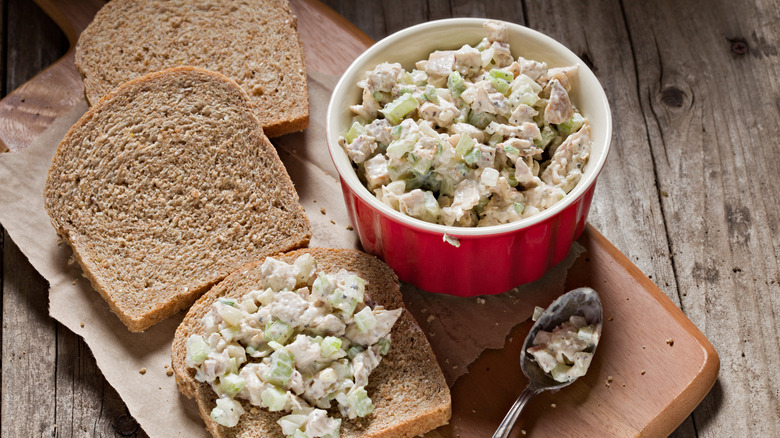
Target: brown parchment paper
x=459, y=328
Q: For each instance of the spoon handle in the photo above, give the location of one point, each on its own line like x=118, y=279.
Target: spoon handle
x=509, y=420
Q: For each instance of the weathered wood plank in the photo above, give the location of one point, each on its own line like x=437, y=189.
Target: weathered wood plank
x=50, y=383
x=711, y=108
x=29, y=335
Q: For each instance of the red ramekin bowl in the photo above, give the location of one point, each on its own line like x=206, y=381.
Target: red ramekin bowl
x=479, y=260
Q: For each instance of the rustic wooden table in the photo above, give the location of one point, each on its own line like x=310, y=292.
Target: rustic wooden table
x=690, y=193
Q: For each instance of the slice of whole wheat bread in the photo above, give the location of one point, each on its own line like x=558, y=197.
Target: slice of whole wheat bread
x=408, y=388
x=254, y=42
x=164, y=187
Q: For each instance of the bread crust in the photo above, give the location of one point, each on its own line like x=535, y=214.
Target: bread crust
x=127, y=185
x=255, y=42
x=408, y=388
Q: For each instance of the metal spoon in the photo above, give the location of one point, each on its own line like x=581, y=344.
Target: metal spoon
x=584, y=302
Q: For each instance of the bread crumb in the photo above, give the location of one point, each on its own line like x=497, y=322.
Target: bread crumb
x=430, y=319
x=333, y=222
x=480, y=301
x=322, y=210
x=553, y=405
x=624, y=385
x=473, y=411
x=454, y=367
x=314, y=201
x=431, y=334
x=609, y=379
x=169, y=373
x=611, y=317
x=523, y=432
x=349, y=228
x=643, y=347
x=643, y=372
x=142, y=371
x=75, y=280
x=424, y=310
x=81, y=324
x=59, y=242
x=670, y=341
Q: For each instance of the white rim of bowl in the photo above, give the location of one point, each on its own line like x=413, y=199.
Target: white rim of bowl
x=348, y=174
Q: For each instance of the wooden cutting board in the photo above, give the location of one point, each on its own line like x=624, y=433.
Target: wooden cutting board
x=653, y=366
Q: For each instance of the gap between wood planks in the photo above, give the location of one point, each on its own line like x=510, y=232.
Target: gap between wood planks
x=655, y=165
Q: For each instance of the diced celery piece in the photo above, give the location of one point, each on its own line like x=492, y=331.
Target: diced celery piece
x=379, y=96
x=572, y=125
x=511, y=179
x=586, y=333
x=274, y=398
x=329, y=346
x=232, y=365
x=512, y=152
x=479, y=119
x=502, y=74
x=421, y=165
x=465, y=143
x=455, y=84
x=384, y=345
x=354, y=131
x=358, y=400
x=299, y=434
x=227, y=301
x=275, y=346
x=397, y=109
x=396, y=131
x=430, y=94
x=561, y=373
x=322, y=286
x=231, y=315
x=249, y=305
x=335, y=433
x=290, y=423
x=495, y=139
x=197, y=350
x=481, y=204
x=266, y=297
x=281, y=368
x=229, y=333
x=231, y=384
x=356, y=286
x=499, y=84
x=346, y=299
x=354, y=351
x=365, y=319
x=278, y=331
x=398, y=148
x=519, y=209
x=537, y=310
x=472, y=156
x=547, y=135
